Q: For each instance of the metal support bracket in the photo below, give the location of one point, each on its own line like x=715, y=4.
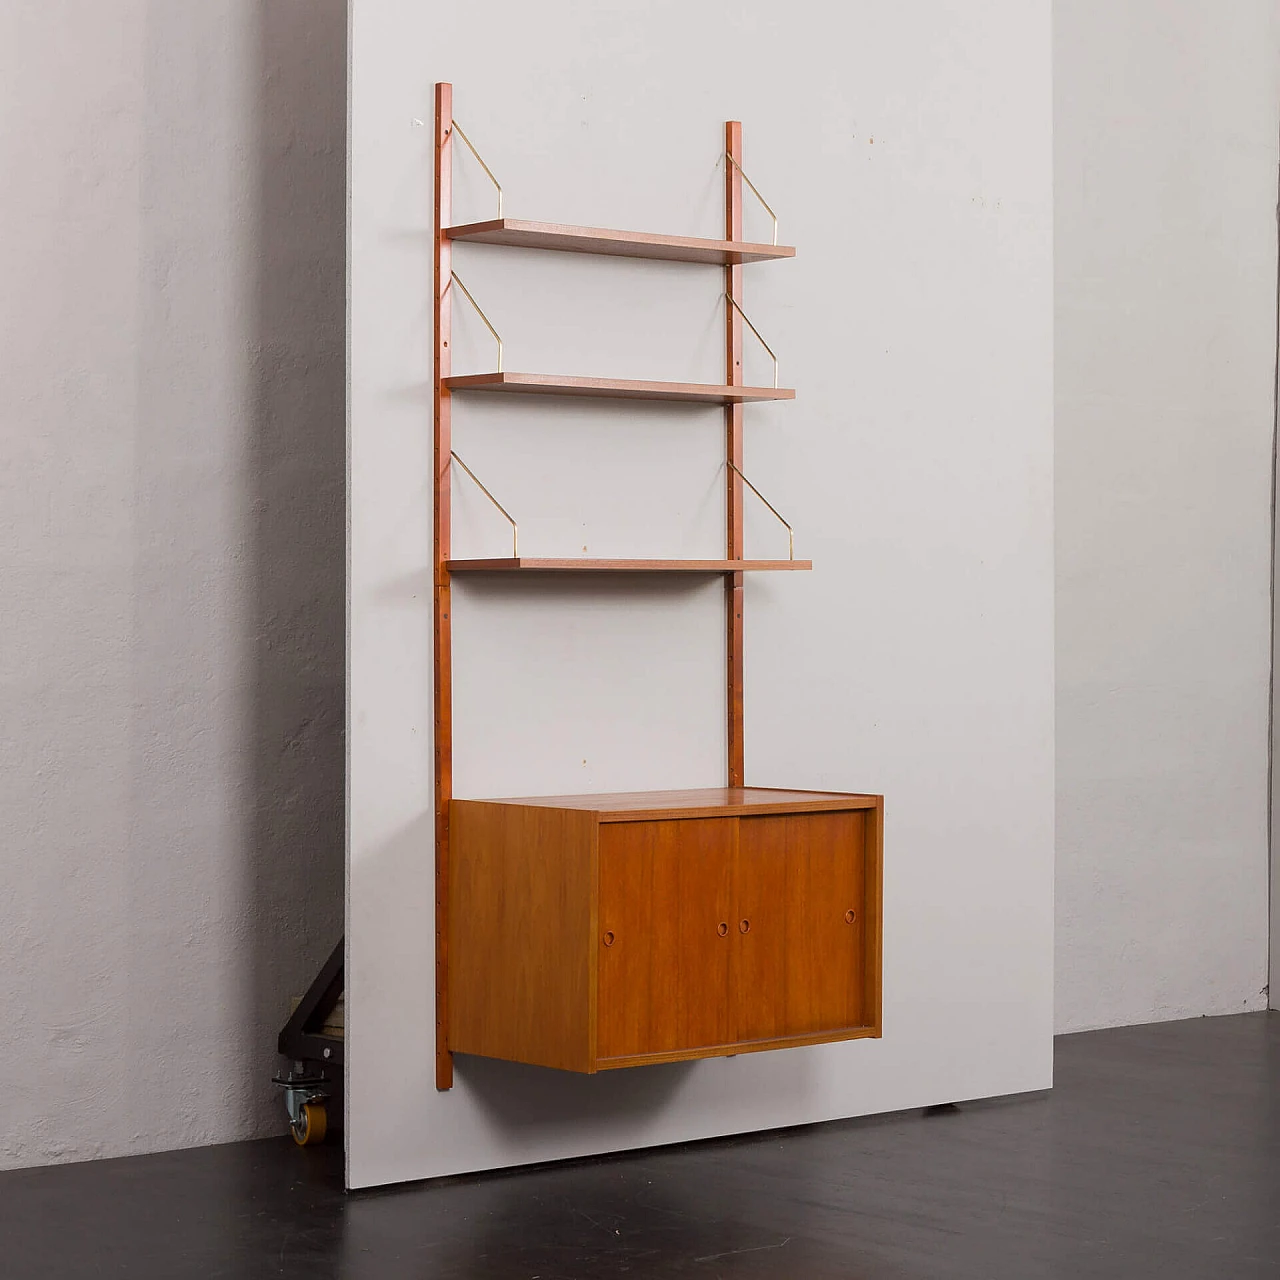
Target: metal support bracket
x=515, y=532
x=497, y=337
x=302, y=1038
x=759, y=337
x=791, y=538
x=755, y=192
x=455, y=127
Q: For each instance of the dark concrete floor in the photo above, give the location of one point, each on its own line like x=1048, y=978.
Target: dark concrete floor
x=1157, y=1154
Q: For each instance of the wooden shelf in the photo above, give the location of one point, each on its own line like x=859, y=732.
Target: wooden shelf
x=577, y=564
x=617, y=244
x=550, y=384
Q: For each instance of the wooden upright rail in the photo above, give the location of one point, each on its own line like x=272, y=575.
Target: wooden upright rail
x=441, y=460
x=733, y=376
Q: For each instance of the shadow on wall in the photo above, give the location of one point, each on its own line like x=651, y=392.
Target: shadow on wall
x=297, y=461
x=524, y=1101
x=234, y=849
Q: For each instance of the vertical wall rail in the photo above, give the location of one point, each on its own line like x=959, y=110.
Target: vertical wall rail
x=443, y=673
x=733, y=452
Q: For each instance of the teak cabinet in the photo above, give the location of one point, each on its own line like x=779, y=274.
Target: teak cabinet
x=592, y=932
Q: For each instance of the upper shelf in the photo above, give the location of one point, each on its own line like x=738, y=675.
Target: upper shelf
x=579, y=563
x=616, y=244
x=615, y=388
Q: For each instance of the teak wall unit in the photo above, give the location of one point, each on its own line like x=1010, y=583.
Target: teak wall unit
x=593, y=932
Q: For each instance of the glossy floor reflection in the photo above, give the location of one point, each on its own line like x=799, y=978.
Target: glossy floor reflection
x=1157, y=1154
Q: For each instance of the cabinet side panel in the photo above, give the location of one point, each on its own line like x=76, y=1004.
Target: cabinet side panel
x=874, y=863
x=520, y=922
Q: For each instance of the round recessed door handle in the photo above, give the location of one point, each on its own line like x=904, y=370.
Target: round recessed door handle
x=744, y=926
x=608, y=937
x=722, y=928
x=850, y=916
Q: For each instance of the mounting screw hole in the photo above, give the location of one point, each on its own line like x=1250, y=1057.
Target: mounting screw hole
x=744, y=926
x=850, y=916
x=608, y=937
x=722, y=928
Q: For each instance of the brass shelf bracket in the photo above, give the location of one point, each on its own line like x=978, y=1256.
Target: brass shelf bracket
x=759, y=336
x=497, y=337
x=791, y=537
x=471, y=146
x=515, y=532
x=755, y=191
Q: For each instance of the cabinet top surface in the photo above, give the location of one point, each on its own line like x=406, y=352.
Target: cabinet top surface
x=698, y=802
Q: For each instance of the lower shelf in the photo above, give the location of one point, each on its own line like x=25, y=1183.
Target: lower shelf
x=547, y=384
x=589, y=933
x=623, y=244
x=575, y=564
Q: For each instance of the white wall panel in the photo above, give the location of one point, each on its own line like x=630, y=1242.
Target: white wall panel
x=907, y=149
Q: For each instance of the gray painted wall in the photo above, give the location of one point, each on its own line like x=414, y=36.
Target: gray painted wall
x=1166, y=117
x=172, y=231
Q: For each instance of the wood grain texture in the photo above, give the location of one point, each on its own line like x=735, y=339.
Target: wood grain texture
x=625, y=244
x=632, y=806
x=521, y=908
x=442, y=652
x=873, y=872
x=734, y=1047
x=734, y=592
x=527, y=564
x=799, y=964
x=665, y=906
x=550, y=384
x=593, y=932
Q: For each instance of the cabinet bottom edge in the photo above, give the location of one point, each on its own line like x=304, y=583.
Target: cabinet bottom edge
x=690, y=1055
x=741, y=1046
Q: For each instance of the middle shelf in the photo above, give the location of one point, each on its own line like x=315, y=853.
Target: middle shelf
x=549, y=384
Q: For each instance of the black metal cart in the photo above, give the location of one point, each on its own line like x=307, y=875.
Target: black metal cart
x=313, y=1041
